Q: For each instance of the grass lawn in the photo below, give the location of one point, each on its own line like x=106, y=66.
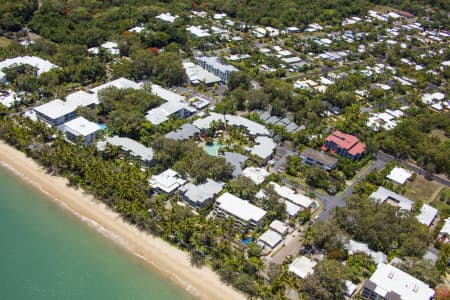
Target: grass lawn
x=4, y=41
x=422, y=189
x=442, y=201
x=440, y=134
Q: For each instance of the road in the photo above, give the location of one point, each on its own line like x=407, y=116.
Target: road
x=331, y=202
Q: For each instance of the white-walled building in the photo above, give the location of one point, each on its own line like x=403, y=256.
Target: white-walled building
x=302, y=266
x=216, y=67
x=40, y=64
x=257, y=175
x=168, y=181
x=80, y=128
x=135, y=149
x=399, y=175
x=292, y=196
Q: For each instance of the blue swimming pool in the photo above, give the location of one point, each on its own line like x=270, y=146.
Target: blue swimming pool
x=212, y=149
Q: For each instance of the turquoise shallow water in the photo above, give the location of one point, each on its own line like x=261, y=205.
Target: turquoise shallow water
x=47, y=253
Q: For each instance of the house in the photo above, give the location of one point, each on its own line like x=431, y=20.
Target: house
x=257, y=175
x=197, y=74
x=389, y=282
x=120, y=83
x=314, y=157
x=199, y=195
x=80, y=128
x=57, y=112
x=386, y=120
x=263, y=148
x=246, y=215
x=135, y=149
x=185, y=132
x=291, y=196
x=302, y=266
x=354, y=247
x=345, y=145
x=167, y=182
x=215, y=66
x=399, y=175
x=8, y=98
x=427, y=212
x=197, y=31
x=40, y=64
x=167, y=17
x=269, y=239
x=279, y=227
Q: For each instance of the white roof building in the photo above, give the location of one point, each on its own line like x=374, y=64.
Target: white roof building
x=120, y=83
x=40, y=64
x=446, y=228
x=386, y=120
x=302, y=266
x=257, y=175
x=270, y=239
x=197, y=31
x=253, y=128
x=111, y=47
x=8, y=98
x=197, y=74
x=399, y=175
x=279, y=227
x=354, y=247
x=80, y=127
x=134, y=148
x=199, y=195
x=390, y=282
x=292, y=196
x=263, y=148
x=244, y=211
x=167, y=181
x=427, y=213
x=167, y=17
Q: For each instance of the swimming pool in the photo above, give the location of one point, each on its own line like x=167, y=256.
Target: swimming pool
x=212, y=149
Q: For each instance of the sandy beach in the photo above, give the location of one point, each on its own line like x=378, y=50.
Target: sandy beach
x=173, y=263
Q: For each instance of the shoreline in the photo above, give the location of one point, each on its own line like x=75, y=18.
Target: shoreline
x=169, y=261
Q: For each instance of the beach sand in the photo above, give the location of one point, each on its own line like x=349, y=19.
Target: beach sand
x=171, y=262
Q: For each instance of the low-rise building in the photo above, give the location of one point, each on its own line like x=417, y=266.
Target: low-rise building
x=167, y=182
x=264, y=147
x=185, y=132
x=386, y=120
x=200, y=195
x=427, y=213
x=399, y=175
x=302, y=266
x=279, y=227
x=80, y=128
x=345, y=145
x=236, y=160
x=314, y=157
x=135, y=149
x=197, y=74
x=246, y=215
x=291, y=196
x=389, y=282
x=444, y=234
x=257, y=175
x=215, y=66
x=40, y=64
x=269, y=239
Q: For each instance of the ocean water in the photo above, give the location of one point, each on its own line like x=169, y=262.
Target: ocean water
x=48, y=253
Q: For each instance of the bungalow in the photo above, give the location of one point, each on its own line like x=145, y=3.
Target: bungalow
x=345, y=145
x=314, y=157
x=80, y=128
x=246, y=215
x=302, y=266
x=399, y=175
x=167, y=182
x=200, y=195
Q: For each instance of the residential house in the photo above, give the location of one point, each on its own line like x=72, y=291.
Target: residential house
x=257, y=175
x=167, y=182
x=269, y=239
x=302, y=266
x=399, y=175
x=291, y=196
x=40, y=64
x=200, y=195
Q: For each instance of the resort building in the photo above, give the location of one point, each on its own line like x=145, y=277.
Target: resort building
x=40, y=64
x=120, y=83
x=197, y=74
x=80, y=128
x=213, y=65
x=399, y=175
x=8, y=98
x=302, y=266
x=246, y=215
x=269, y=239
x=199, y=195
x=252, y=127
x=314, y=157
x=175, y=105
x=389, y=282
x=185, y=132
x=427, y=212
x=236, y=160
x=345, y=145
x=291, y=196
x=279, y=227
x=167, y=182
x=257, y=175
x=57, y=112
x=135, y=149
x=264, y=147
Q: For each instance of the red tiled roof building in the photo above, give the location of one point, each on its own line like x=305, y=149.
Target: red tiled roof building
x=345, y=145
